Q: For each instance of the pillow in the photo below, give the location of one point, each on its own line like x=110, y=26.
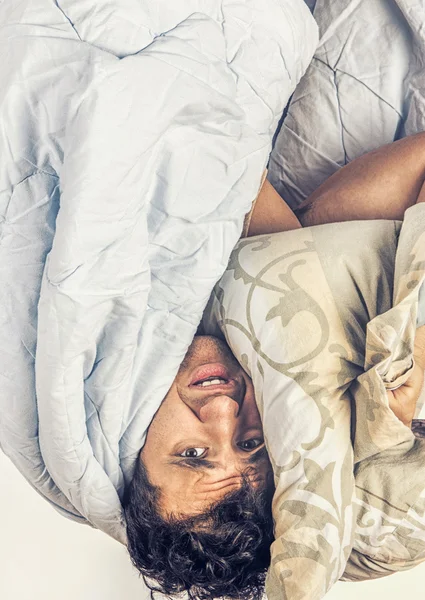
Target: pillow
x=323, y=319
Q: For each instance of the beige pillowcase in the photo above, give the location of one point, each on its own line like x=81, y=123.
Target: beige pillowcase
x=323, y=319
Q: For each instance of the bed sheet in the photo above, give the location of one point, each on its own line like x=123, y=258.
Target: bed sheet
x=364, y=88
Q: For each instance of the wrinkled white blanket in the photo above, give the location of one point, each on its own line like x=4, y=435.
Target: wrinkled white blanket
x=133, y=138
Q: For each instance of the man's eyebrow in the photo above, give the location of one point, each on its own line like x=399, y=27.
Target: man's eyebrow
x=203, y=463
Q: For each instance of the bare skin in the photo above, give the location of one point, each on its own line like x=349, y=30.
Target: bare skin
x=203, y=438
x=271, y=214
x=220, y=423
x=403, y=400
x=382, y=184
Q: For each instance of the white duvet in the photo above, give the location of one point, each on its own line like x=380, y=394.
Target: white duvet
x=133, y=137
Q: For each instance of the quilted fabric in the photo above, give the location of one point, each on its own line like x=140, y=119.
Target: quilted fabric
x=133, y=137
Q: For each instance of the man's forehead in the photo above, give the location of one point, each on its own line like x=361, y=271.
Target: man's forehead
x=203, y=480
x=188, y=492
x=192, y=500
x=203, y=485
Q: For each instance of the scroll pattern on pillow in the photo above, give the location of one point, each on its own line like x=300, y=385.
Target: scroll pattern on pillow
x=390, y=461
x=323, y=320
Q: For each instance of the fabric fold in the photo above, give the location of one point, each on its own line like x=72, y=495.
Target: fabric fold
x=134, y=136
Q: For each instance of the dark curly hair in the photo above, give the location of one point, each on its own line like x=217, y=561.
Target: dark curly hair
x=222, y=552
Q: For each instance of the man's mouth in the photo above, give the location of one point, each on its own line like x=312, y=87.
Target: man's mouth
x=209, y=382
x=211, y=375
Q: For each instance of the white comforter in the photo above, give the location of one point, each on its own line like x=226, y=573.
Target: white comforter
x=133, y=137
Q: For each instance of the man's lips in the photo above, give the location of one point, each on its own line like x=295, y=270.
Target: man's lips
x=211, y=371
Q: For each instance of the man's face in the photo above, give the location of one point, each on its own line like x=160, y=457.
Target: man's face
x=206, y=432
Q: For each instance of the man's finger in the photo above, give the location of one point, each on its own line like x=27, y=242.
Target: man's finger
x=419, y=348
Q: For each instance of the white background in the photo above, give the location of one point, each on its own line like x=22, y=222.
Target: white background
x=43, y=556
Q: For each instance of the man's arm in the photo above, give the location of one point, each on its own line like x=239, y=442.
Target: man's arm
x=271, y=214
x=379, y=185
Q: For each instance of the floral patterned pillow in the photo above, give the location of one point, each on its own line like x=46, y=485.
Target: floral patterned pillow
x=323, y=319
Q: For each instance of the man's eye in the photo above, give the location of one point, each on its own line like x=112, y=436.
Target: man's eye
x=251, y=444
x=193, y=452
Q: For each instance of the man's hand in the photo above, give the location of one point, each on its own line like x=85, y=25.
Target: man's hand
x=403, y=400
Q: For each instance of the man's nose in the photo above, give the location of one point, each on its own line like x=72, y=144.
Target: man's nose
x=219, y=408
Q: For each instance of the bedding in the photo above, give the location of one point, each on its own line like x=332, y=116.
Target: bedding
x=133, y=138
x=323, y=319
x=364, y=88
